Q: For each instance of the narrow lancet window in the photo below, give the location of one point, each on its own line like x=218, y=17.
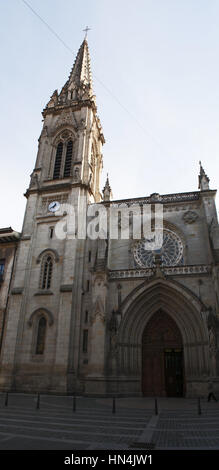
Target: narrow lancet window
x=47, y=272
x=41, y=336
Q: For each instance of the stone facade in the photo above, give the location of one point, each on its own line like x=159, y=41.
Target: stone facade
x=9, y=240
x=79, y=308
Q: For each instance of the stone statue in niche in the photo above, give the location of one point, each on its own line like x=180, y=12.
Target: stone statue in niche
x=99, y=298
x=76, y=174
x=90, y=182
x=98, y=311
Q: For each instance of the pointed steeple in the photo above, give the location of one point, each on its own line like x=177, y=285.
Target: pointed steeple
x=107, y=192
x=79, y=83
x=203, y=179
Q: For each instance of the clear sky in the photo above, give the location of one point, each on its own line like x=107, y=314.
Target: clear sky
x=159, y=59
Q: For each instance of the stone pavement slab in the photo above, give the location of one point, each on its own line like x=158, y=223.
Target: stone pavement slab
x=93, y=425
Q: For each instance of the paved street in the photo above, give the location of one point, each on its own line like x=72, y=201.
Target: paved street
x=93, y=425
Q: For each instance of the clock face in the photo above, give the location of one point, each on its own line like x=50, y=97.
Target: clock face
x=54, y=206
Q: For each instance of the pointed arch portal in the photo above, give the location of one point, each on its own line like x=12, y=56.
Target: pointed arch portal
x=162, y=343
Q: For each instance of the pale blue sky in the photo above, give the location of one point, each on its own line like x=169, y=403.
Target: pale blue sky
x=159, y=58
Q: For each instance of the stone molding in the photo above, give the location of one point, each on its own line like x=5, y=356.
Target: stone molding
x=49, y=251
x=42, y=292
x=168, y=271
x=17, y=291
x=66, y=288
x=41, y=311
x=166, y=198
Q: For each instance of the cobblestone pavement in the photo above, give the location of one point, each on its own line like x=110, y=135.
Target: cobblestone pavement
x=93, y=425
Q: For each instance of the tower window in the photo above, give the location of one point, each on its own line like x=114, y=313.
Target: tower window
x=88, y=285
x=63, y=160
x=89, y=256
x=41, y=336
x=58, y=161
x=46, y=274
x=51, y=232
x=2, y=268
x=68, y=159
x=85, y=341
x=86, y=317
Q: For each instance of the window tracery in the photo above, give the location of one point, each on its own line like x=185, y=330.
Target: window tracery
x=171, y=251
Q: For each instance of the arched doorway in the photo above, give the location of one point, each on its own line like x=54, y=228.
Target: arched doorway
x=162, y=357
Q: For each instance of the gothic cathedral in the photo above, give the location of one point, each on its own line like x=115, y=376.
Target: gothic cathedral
x=103, y=316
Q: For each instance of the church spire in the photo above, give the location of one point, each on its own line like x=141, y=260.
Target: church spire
x=203, y=179
x=107, y=191
x=79, y=83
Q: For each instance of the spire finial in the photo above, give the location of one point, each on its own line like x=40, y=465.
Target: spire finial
x=86, y=31
x=203, y=178
x=107, y=192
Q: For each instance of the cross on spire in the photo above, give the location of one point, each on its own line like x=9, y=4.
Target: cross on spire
x=86, y=31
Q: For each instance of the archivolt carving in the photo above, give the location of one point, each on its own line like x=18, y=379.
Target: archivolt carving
x=63, y=135
x=53, y=252
x=40, y=312
x=65, y=120
x=183, y=307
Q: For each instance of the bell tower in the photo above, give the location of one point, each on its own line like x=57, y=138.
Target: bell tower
x=48, y=275
x=70, y=143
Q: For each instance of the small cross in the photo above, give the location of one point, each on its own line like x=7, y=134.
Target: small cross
x=86, y=31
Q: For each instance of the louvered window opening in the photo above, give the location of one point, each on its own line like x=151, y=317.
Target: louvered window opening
x=68, y=159
x=47, y=273
x=58, y=161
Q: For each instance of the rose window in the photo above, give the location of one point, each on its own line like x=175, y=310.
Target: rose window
x=171, y=251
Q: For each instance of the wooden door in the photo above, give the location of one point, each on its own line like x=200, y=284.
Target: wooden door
x=162, y=357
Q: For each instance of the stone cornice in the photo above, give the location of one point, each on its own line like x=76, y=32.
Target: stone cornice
x=77, y=106
x=46, y=292
x=208, y=192
x=163, y=199
x=55, y=188
x=73, y=106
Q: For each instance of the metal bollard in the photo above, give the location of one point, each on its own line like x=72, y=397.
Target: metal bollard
x=114, y=405
x=38, y=401
x=155, y=406
x=6, y=399
x=199, y=406
x=74, y=403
